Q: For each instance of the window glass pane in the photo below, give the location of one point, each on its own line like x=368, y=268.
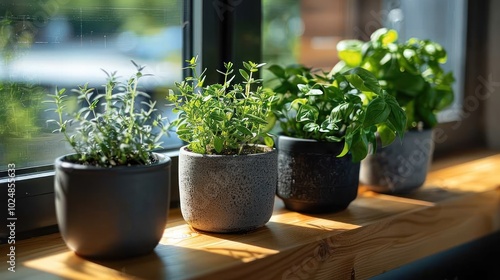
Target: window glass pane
x=282, y=28
x=49, y=43
x=308, y=31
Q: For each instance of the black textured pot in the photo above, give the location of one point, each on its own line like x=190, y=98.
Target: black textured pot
x=226, y=193
x=312, y=179
x=112, y=212
x=400, y=167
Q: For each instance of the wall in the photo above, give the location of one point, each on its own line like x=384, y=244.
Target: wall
x=492, y=84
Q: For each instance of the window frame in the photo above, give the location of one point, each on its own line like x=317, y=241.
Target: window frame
x=218, y=36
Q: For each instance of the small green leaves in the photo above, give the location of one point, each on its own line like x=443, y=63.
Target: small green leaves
x=120, y=133
x=244, y=130
x=221, y=118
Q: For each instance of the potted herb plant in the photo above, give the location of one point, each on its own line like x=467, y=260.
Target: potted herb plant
x=112, y=194
x=227, y=180
x=327, y=123
x=412, y=73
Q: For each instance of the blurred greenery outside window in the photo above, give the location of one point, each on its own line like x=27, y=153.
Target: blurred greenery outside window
x=59, y=43
x=307, y=31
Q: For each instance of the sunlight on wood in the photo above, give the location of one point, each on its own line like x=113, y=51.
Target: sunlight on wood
x=71, y=266
x=376, y=233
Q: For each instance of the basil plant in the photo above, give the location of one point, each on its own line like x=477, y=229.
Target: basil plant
x=348, y=108
x=410, y=71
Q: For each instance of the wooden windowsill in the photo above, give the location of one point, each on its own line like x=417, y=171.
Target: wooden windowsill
x=459, y=203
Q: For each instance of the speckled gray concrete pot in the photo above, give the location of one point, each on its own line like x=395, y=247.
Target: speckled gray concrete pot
x=227, y=193
x=312, y=179
x=400, y=167
x=112, y=212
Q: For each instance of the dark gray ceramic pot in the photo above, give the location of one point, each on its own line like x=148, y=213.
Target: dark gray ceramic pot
x=222, y=193
x=400, y=167
x=312, y=179
x=112, y=212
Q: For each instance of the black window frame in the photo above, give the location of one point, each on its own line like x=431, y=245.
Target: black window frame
x=230, y=30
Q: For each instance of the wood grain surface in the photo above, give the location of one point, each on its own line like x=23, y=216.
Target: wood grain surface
x=376, y=233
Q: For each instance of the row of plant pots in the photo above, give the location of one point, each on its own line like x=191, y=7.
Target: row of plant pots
x=126, y=208
x=231, y=170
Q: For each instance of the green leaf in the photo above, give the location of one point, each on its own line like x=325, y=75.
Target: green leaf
x=445, y=99
x=359, y=149
x=244, y=74
x=350, y=52
x=345, y=150
x=301, y=101
x=244, y=130
x=247, y=65
x=277, y=70
x=406, y=64
x=269, y=141
x=307, y=113
x=218, y=144
x=196, y=147
x=377, y=112
x=303, y=88
x=397, y=116
x=386, y=134
x=365, y=79
x=384, y=36
x=228, y=65
x=341, y=112
x=328, y=125
x=427, y=116
x=311, y=127
x=218, y=116
x=314, y=91
x=256, y=119
x=409, y=84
